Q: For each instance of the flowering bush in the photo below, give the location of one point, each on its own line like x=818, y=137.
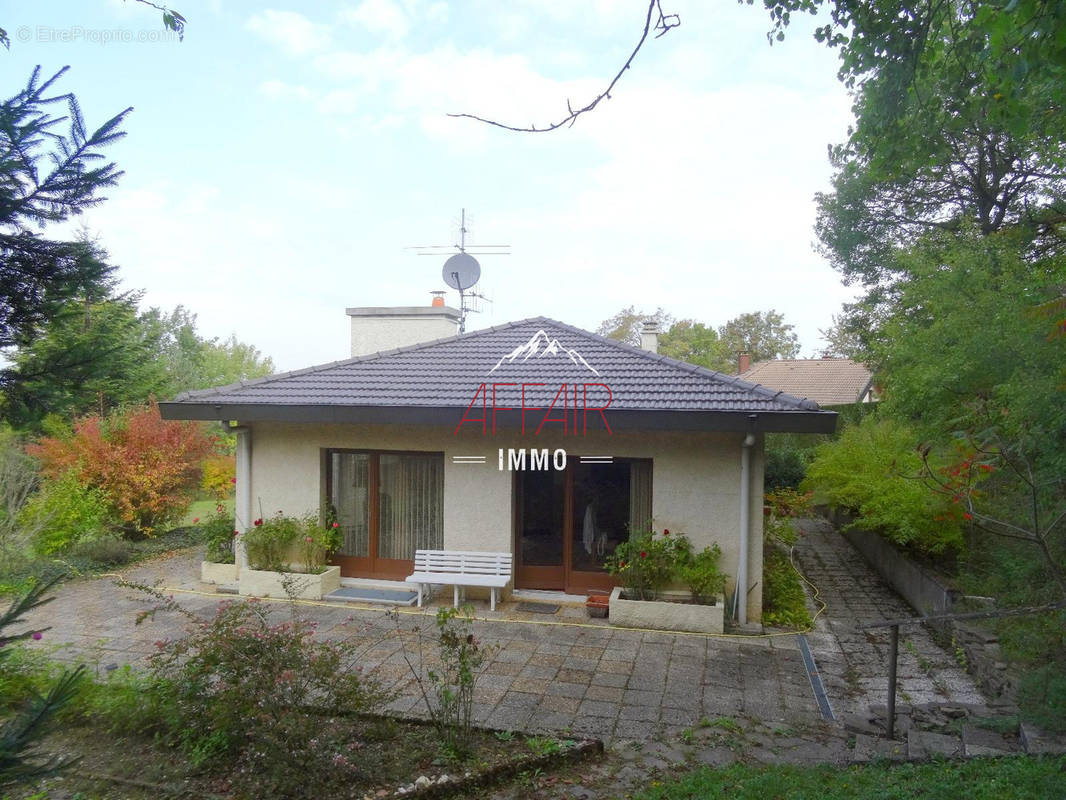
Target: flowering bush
x=647, y=563
x=271, y=542
x=251, y=694
x=218, y=535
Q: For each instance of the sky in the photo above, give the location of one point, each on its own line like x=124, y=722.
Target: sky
x=280, y=161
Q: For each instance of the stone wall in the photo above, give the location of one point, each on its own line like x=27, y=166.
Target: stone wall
x=974, y=646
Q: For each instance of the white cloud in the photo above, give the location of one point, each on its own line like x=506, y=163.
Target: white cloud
x=380, y=17
x=279, y=90
x=294, y=33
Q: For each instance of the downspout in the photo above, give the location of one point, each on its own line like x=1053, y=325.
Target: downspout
x=745, y=525
x=243, y=496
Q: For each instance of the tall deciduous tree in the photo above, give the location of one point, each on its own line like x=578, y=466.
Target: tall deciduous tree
x=763, y=334
x=697, y=343
x=625, y=325
x=959, y=122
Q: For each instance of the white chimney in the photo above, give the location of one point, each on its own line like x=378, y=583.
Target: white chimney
x=649, y=336
x=378, y=329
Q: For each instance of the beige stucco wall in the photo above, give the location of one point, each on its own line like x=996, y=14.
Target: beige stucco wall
x=696, y=480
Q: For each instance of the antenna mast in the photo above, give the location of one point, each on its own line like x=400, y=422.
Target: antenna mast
x=462, y=271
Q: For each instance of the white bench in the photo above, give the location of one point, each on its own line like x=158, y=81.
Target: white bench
x=461, y=568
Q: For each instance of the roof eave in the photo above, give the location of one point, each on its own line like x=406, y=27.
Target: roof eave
x=652, y=419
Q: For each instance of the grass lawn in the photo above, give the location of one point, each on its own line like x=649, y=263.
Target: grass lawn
x=1014, y=778
x=202, y=509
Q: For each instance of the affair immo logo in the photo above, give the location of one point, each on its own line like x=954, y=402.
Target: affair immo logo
x=570, y=404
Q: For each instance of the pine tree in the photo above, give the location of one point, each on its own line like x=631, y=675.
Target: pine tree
x=47, y=176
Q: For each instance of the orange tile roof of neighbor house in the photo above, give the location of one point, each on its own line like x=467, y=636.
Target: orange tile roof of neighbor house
x=826, y=381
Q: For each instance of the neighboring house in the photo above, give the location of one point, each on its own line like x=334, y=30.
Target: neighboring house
x=427, y=446
x=827, y=381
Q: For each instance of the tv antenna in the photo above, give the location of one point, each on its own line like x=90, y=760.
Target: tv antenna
x=462, y=271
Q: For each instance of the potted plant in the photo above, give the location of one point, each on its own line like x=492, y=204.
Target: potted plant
x=219, y=565
x=647, y=565
x=287, y=558
x=597, y=603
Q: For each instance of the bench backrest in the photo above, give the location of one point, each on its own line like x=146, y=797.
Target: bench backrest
x=462, y=562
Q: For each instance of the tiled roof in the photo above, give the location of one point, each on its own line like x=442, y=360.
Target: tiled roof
x=826, y=381
x=446, y=373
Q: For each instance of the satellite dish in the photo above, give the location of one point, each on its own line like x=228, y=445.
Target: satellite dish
x=461, y=271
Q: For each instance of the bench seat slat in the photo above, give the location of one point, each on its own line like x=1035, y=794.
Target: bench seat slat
x=461, y=568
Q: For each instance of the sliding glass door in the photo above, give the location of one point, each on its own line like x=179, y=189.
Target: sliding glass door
x=568, y=522
x=388, y=505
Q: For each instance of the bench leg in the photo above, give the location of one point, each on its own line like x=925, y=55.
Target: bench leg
x=455, y=596
x=492, y=599
x=420, y=587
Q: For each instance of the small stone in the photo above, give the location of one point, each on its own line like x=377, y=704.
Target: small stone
x=422, y=781
x=925, y=744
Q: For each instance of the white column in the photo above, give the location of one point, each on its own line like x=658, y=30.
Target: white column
x=243, y=495
x=745, y=528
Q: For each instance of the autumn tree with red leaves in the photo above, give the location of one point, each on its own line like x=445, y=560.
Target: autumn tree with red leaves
x=147, y=467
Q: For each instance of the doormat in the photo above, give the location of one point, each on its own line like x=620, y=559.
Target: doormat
x=359, y=594
x=537, y=608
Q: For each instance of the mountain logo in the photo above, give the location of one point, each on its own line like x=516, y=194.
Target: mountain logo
x=541, y=345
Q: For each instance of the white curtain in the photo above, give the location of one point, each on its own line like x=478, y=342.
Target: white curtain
x=639, y=496
x=411, y=505
x=350, y=493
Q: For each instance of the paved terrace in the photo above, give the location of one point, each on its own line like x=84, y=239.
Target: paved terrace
x=565, y=671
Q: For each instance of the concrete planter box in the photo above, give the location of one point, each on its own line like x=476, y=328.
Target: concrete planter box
x=664, y=615
x=265, y=583
x=210, y=572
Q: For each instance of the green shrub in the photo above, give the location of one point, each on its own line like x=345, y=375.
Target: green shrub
x=127, y=702
x=271, y=542
x=783, y=599
x=785, y=466
x=646, y=564
x=107, y=551
x=874, y=471
x=63, y=513
x=254, y=698
x=218, y=533
x=702, y=575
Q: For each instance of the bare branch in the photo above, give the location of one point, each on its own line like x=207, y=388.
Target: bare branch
x=663, y=25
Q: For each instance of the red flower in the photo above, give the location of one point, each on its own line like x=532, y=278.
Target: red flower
x=986, y=467
x=622, y=564
x=232, y=480
x=336, y=524
x=967, y=515
x=236, y=533
x=258, y=522
x=195, y=520
x=308, y=539
x=643, y=554
x=666, y=531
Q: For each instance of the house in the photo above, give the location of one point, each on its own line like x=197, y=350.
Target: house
x=828, y=382
x=534, y=437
